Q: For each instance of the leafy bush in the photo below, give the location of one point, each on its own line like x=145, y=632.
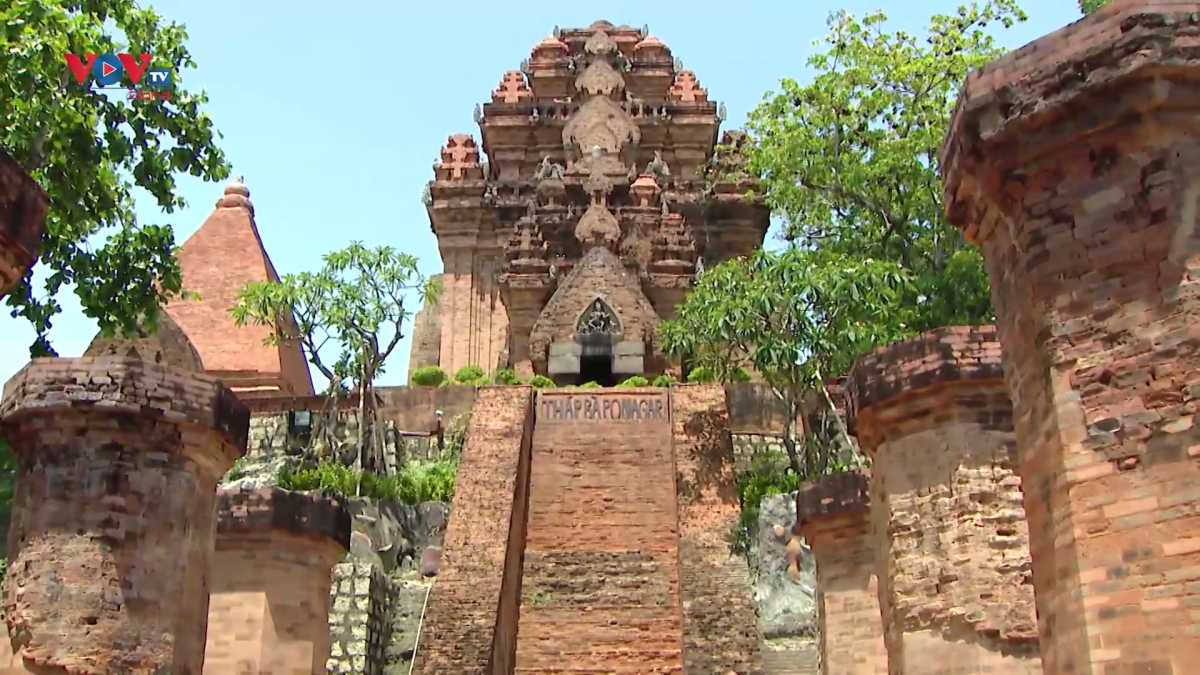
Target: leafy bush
x=541, y=382
x=429, y=376
x=426, y=482
x=418, y=481
x=663, y=381
x=507, y=376
x=590, y=385
x=472, y=375
x=635, y=381
x=768, y=475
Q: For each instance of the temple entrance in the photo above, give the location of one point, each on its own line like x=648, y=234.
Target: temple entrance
x=596, y=332
x=596, y=361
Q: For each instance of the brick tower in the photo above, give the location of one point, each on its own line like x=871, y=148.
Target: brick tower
x=221, y=257
x=23, y=207
x=1073, y=164
x=112, y=525
x=601, y=195
x=951, y=545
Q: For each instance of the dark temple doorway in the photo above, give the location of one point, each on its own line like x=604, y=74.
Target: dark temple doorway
x=596, y=360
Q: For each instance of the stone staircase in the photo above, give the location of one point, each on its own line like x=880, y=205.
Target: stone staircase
x=799, y=661
x=600, y=589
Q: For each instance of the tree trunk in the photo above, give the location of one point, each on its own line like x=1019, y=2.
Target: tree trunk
x=789, y=446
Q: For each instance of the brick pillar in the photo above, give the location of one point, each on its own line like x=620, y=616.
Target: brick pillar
x=269, y=609
x=23, y=207
x=833, y=515
x=1073, y=164
x=112, y=524
x=952, y=550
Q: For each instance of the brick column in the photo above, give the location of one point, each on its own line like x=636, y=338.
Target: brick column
x=269, y=609
x=1073, y=163
x=23, y=207
x=833, y=515
x=112, y=525
x=952, y=550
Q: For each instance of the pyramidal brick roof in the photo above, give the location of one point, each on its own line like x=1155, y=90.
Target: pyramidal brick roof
x=221, y=257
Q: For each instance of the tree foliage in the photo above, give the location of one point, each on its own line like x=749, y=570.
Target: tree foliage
x=850, y=160
x=89, y=150
x=356, y=307
x=796, y=317
x=1089, y=6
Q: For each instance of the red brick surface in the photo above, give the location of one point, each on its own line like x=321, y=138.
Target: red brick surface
x=221, y=257
x=113, y=514
x=23, y=207
x=269, y=606
x=600, y=591
x=720, y=630
x=460, y=621
x=1084, y=207
x=951, y=545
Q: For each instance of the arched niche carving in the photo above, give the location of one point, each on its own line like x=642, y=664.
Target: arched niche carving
x=598, y=323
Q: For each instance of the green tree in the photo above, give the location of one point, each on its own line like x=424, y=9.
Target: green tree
x=796, y=317
x=88, y=150
x=849, y=161
x=356, y=307
x=1089, y=6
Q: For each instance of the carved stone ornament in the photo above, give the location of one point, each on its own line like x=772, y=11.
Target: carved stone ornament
x=549, y=170
x=598, y=227
x=598, y=319
x=600, y=122
x=600, y=43
x=599, y=79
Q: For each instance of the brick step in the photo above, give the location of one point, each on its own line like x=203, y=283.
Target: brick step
x=535, y=566
x=790, y=662
x=604, y=670
x=601, y=661
x=583, y=538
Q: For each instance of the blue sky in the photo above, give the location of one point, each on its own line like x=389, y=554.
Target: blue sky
x=335, y=112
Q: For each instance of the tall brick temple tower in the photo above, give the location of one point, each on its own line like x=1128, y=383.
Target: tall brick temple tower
x=604, y=191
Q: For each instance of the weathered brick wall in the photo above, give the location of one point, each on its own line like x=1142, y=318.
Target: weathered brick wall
x=750, y=450
x=426, y=333
x=359, y=604
x=504, y=647
x=119, y=461
x=833, y=515
x=23, y=207
x=934, y=414
x=269, y=604
x=461, y=617
x=1092, y=258
x=601, y=580
x=720, y=632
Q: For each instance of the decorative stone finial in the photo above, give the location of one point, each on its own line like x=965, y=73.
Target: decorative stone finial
x=168, y=346
x=236, y=195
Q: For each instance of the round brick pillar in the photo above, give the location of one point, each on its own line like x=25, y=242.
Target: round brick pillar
x=951, y=544
x=112, y=524
x=833, y=516
x=23, y=207
x=1073, y=163
x=275, y=552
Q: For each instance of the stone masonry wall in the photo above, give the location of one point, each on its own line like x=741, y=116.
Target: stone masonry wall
x=720, y=632
x=359, y=602
x=1092, y=255
x=833, y=514
x=119, y=461
x=461, y=617
x=23, y=208
x=600, y=591
x=269, y=605
x=934, y=415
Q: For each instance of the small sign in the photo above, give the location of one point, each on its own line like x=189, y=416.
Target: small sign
x=603, y=408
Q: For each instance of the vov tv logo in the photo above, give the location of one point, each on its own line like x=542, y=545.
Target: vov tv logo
x=112, y=71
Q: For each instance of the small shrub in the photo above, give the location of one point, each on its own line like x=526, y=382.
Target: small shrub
x=426, y=482
x=472, y=375
x=429, y=376
x=739, y=375
x=380, y=487
x=331, y=478
x=507, y=376
x=541, y=382
x=635, y=381
x=768, y=475
x=663, y=381
x=590, y=385
x=700, y=375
